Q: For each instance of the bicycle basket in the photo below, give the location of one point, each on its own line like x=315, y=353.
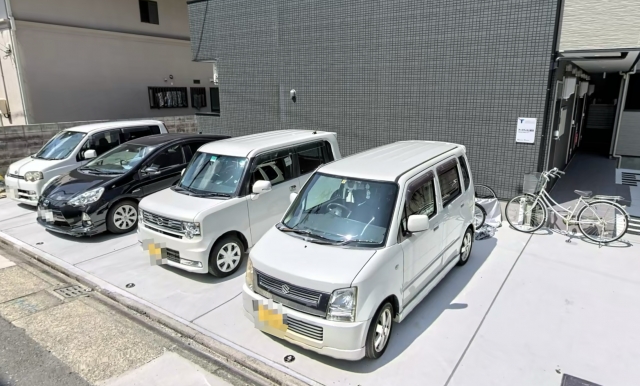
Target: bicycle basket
x=532, y=183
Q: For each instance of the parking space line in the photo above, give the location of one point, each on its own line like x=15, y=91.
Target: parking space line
x=105, y=254
x=20, y=215
x=215, y=308
x=486, y=313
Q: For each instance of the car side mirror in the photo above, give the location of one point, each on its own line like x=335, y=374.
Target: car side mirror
x=292, y=197
x=260, y=187
x=418, y=223
x=89, y=154
x=150, y=170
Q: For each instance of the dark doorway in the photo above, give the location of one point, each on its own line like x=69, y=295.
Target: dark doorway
x=600, y=113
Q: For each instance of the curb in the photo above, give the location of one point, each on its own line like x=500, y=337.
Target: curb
x=261, y=368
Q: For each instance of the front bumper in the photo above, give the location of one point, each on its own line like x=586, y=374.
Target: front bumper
x=341, y=340
x=68, y=220
x=177, y=247
x=23, y=191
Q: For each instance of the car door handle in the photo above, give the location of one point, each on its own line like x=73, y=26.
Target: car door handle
x=436, y=228
x=461, y=205
x=292, y=188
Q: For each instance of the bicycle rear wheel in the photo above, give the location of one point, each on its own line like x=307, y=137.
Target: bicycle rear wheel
x=524, y=214
x=603, y=221
x=479, y=215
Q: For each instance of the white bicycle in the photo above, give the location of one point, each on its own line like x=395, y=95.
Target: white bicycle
x=600, y=218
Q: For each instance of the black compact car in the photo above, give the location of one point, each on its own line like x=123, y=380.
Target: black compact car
x=103, y=194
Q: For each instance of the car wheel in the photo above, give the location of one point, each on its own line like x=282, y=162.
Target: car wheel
x=226, y=256
x=379, y=332
x=465, y=247
x=122, y=217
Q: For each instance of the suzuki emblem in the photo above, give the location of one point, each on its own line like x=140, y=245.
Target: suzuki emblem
x=285, y=289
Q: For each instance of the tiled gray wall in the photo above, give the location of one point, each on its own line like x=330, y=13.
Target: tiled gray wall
x=600, y=24
x=382, y=71
x=629, y=134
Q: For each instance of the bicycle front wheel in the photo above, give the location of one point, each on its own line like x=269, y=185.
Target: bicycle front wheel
x=603, y=221
x=524, y=214
x=479, y=215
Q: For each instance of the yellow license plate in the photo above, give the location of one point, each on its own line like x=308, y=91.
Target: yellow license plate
x=269, y=317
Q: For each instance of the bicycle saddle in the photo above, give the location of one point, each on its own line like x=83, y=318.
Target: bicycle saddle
x=583, y=193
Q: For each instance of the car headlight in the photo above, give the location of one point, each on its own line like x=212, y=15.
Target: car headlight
x=342, y=305
x=248, y=276
x=33, y=176
x=86, y=198
x=191, y=229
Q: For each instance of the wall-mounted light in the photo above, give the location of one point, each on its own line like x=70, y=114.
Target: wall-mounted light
x=292, y=95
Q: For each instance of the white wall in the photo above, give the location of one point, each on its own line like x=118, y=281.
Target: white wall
x=77, y=74
x=600, y=24
x=110, y=15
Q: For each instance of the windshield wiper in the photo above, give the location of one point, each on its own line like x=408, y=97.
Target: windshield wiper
x=211, y=194
x=95, y=170
x=358, y=241
x=304, y=232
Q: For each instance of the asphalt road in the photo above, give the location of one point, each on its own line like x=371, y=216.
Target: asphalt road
x=23, y=362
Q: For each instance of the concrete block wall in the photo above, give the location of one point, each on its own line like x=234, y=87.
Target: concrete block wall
x=17, y=142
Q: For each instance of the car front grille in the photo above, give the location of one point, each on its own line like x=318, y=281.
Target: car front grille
x=162, y=222
x=173, y=255
x=306, y=329
x=58, y=216
x=298, y=298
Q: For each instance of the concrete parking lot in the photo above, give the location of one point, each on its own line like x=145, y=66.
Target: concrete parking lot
x=525, y=310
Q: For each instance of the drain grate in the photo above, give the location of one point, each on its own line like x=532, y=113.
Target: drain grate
x=568, y=380
x=72, y=291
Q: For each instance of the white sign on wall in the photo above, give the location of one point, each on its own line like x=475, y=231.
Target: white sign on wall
x=526, y=131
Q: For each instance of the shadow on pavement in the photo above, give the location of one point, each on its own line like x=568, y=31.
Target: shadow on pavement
x=207, y=278
x=420, y=319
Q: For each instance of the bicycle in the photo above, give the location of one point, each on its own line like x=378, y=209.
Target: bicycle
x=479, y=213
x=601, y=219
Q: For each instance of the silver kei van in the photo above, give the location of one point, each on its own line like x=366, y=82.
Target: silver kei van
x=365, y=240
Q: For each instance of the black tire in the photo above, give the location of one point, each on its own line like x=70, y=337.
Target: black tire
x=233, y=248
x=597, y=207
x=465, y=247
x=480, y=215
x=118, y=224
x=539, y=211
x=371, y=351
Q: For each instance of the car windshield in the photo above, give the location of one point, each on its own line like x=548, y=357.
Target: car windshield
x=60, y=146
x=212, y=175
x=343, y=210
x=119, y=160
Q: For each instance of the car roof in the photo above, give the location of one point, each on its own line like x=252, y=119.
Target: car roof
x=161, y=139
x=387, y=163
x=247, y=145
x=113, y=125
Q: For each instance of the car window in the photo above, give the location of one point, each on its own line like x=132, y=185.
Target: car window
x=421, y=198
x=195, y=146
x=155, y=129
x=465, y=172
x=449, y=182
x=186, y=150
x=275, y=166
x=168, y=158
x=61, y=145
x=310, y=156
x=131, y=133
x=104, y=141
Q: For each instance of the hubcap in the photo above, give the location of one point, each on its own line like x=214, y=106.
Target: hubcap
x=125, y=217
x=228, y=257
x=383, y=328
x=466, y=247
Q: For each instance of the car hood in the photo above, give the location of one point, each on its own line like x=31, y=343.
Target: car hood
x=29, y=164
x=74, y=183
x=178, y=206
x=315, y=266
